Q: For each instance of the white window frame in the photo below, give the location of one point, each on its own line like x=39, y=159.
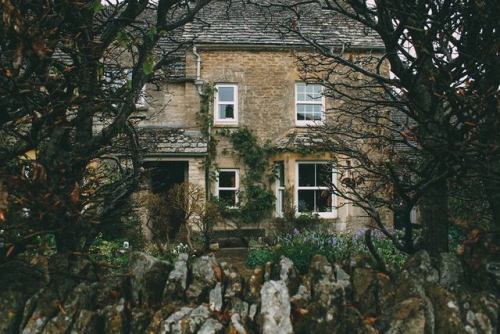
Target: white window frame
x=236, y=188
x=318, y=102
x=223, y=121
x=333, y=213
x=141, y=102
x=280, y=191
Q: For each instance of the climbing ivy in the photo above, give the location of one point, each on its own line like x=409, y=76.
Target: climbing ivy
x=257, y=200
x=253, y=155
x=205, y=121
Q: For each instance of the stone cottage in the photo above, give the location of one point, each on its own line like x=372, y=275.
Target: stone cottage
x=251, y=69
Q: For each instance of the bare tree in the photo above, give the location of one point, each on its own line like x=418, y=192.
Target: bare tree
x=70, y=76
x=443, y=80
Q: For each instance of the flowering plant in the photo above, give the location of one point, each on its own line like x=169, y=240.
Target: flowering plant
x=301, y=246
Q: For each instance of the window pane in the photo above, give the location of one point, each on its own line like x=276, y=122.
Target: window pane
x=324, y=175
x=310, y=89
x=301, y=116
x=306, y=175
x=226, y=94
x=313, y=93
x=228, y=197
x=323, y=201
x=306, y=200
x=227, y=179
x=280, y=173
x=226, y=111
x=301, y=92
x=301, y=88
x=280, y=202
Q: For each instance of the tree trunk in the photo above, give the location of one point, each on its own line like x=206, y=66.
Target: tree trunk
x=434, y=209
x=492, y=190
x=67, y=240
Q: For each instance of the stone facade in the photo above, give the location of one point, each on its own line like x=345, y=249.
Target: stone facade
x=265, y=80
x=238, y=46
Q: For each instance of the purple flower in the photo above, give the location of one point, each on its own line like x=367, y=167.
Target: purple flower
x=333, y=241
x=359, y=234
x=296, y=231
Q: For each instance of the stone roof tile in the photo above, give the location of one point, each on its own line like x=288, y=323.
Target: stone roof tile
x=239, y=23
x=161, y=140
x=300, y=139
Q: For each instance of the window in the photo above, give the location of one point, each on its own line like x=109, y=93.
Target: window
x=280, y=188
x=227, y=186
x=309, y=104
x=226, y=104
x=313, y=189
x=141, y=102
x=116, y=78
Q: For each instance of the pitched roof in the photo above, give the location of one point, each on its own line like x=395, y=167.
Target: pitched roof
x=226, y=22
x=297, y=140
x=165, y=141
x=232, y=23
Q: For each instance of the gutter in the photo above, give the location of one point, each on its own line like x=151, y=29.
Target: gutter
x=279, y=46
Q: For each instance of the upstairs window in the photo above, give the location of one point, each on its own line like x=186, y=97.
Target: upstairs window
x=226, y=104
x=314, y=180
x=309, y=104
x=228, y=186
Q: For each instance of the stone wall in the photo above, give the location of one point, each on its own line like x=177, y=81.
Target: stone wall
x=172, y=105
x=201, y=295
x=266, y=105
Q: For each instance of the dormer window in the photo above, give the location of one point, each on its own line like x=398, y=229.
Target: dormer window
x=226, y=104
x=309, y=104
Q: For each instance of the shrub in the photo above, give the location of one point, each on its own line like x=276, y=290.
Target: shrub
x=455, y=237
x=290, y=221
x=301, y=246
x=109, y=251
x=300, y=254
x=259, y=257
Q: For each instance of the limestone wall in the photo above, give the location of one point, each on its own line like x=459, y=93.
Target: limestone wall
x=266, y=105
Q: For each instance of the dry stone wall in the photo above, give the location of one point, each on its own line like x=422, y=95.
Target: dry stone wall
x=201, y=295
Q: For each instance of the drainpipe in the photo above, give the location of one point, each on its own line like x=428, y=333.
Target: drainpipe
x=199, y=86
x=198, y=82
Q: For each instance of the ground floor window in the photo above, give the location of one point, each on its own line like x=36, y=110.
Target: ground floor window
x=313, y=184
x=228, y=186
x=280, y=188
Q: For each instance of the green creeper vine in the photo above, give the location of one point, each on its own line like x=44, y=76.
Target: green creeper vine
x=205, y=121
x=257, y=201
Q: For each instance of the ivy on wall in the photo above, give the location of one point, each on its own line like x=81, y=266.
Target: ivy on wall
x=256, y=200
x=205, y=121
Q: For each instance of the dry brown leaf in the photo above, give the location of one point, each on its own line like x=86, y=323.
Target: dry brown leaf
x=9, y=251
x=75, y=193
